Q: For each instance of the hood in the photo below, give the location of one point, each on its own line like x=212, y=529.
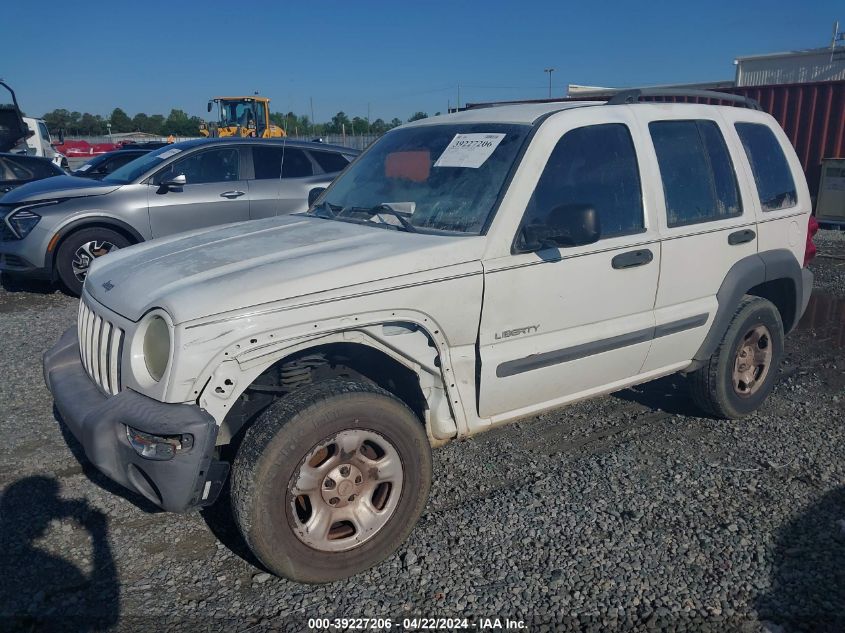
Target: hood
x=208, y=272
x=58, y=187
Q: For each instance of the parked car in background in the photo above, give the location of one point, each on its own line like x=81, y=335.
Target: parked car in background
x=20, y=169
x=101, y=166
x=148, y=145
x=61, y=226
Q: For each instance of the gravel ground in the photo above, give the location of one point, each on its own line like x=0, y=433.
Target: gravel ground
x=627, y=512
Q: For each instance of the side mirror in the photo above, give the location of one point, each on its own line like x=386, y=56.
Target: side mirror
x=565, y=225
x=314, y=194
x=174, y=182
x=209, y=106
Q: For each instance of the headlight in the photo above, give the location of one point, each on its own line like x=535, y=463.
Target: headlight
x=23, y=219
x=156, y=347
x=22, y=222
x=158, y=447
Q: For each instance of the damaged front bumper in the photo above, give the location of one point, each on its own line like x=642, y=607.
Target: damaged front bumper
x=191, y=478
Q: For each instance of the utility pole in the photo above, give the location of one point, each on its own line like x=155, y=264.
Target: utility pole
x=313, y=122
x=550, y=71
x=368, y=118
x=459, y=96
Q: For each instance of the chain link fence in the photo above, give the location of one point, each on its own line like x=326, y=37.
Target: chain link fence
x=353, y=141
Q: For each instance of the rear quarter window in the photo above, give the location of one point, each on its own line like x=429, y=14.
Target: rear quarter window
x=772, y=175
x=330, y=162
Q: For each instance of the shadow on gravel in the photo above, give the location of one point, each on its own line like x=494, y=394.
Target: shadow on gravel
x=221, y=522
x=41, y=591
x=98, y=478
x=669, y=394
x=807, y=590
x=22, y=284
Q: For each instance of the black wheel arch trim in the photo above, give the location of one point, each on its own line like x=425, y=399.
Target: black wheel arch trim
x=744, y=275
x=85, y=223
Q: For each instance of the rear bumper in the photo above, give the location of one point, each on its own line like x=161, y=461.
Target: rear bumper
x=191, y=479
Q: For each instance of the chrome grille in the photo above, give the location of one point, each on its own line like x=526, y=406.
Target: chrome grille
x=100, y=346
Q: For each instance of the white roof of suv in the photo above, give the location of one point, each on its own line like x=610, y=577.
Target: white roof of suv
x=525, y=113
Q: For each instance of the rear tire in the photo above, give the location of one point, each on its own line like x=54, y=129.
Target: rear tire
x=79, y=248
x=742, y=371
x=359, y=505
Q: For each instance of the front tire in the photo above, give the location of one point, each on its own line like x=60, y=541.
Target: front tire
x=79, y=249
x=742, y=371
x=330, y=480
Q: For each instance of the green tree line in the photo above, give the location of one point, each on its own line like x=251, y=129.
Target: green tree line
x=179, y=123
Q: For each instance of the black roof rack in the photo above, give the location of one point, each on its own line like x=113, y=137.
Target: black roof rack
x=633, y=96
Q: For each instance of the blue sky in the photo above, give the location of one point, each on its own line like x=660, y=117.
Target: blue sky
x=398, y=57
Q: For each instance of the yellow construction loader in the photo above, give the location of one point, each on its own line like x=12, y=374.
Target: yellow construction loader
x=241, y=116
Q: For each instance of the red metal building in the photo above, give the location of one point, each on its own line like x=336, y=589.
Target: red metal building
x=811, y=114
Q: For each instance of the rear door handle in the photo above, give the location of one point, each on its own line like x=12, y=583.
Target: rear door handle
x=632, y=259
x=741, y=237
x=231, y=194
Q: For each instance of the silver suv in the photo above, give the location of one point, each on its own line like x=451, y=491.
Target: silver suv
x=54, y=228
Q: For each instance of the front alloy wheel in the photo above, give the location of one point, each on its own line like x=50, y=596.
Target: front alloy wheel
x=86, y=253
x=330, y=480
x=79, y=249
x=345, y=491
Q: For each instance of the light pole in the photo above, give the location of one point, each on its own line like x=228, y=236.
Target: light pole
x=550, y=71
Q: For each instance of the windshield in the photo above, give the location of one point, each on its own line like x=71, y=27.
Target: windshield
x=133, y=170
x=436, y=177
x=240, y=113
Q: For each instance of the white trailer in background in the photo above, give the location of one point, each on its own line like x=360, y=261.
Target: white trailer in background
x=40, y=143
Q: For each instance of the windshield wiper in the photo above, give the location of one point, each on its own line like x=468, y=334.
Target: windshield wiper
x=327, y=207
x=386, y=208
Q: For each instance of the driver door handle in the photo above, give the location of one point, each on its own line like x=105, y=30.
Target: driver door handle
x=632, y=259
x=231, y=194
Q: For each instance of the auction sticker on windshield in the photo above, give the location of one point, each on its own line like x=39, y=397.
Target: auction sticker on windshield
x=469, y=150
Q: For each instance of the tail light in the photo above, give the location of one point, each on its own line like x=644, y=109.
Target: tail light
x=810, y=250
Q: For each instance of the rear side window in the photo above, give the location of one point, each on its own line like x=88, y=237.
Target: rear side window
x=269, y=160
x=772, y=175
x=25, y=168
x=699, y=183
x=330, y=162
x=295, y=164
x=594, y=165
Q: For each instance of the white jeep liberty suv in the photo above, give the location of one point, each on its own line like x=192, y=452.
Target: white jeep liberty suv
x=465, y=271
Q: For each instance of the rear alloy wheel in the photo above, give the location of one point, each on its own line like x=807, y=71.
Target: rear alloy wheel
x=742, y=371
x=753, y=361
x=79, y=249
x=330, y=480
